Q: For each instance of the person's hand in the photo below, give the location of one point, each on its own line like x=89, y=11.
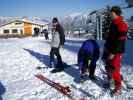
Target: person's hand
x=111, y=56
x=61, y=46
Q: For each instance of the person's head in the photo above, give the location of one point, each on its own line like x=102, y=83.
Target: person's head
x=55, y=20
x=56, y=24
x=115, y=12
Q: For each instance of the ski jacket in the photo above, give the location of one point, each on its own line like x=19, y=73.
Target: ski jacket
x=115, y=41
x=58, y=37
x=88, y=50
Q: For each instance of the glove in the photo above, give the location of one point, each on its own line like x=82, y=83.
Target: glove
x=61, y=46
x=111, y=57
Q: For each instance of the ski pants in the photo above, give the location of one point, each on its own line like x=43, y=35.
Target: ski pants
x=113, y=70
x=55, y=52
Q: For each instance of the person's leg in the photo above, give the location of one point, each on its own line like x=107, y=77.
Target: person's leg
x=52, y=51
x=107, y=66
x=92, y=69
x=117, y=79
x=83, y=71
x=105, y=59
x=105, y=55
x=59, y=59
x=59, y=66
x=115, y=72
x=83, y=68
x=86, y=63
x=81, y=61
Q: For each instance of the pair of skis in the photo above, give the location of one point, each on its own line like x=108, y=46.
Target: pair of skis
x=65, y=90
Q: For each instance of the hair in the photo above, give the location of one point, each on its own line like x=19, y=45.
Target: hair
x=55, y=19
x=117, y=10
x=57, y=26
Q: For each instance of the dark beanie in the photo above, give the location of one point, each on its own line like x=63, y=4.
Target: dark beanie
x=55, y=19
x=117, y=10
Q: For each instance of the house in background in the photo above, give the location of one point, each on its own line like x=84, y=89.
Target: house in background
x=25, y=26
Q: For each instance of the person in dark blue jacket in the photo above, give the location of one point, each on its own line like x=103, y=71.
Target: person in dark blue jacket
x=87, y=57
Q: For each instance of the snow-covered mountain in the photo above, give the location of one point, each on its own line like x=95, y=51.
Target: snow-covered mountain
x=4, y=20
x=37, y=20
x=75, y=21
x=79, y=22
x=76, y=16
x=19, y=59
x=73, y=15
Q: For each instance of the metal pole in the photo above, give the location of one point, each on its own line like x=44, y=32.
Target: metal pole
x=101, y=27
x=97, y=29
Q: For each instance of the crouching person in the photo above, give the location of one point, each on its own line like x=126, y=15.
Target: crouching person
x=87, y=58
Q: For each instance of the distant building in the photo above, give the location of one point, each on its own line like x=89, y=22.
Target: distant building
x=24, y=27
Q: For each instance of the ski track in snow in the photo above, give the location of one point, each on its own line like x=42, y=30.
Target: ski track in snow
x=20, y=57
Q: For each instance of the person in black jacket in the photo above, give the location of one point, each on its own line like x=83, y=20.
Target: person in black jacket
x=58, y=39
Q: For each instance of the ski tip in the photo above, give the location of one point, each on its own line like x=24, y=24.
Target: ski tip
x=39, y=76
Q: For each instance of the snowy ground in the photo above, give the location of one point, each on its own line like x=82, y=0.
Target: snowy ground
x=20, y=57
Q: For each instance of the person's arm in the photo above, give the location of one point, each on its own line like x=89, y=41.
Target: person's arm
x=123, y=27
x=62, y=36
x=80, y=58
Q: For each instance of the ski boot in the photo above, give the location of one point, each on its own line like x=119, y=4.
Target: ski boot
x=83, y=78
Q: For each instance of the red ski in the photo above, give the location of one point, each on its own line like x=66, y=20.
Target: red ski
x=65, y=90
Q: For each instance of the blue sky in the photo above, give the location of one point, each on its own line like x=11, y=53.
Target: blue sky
x=59, y=8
